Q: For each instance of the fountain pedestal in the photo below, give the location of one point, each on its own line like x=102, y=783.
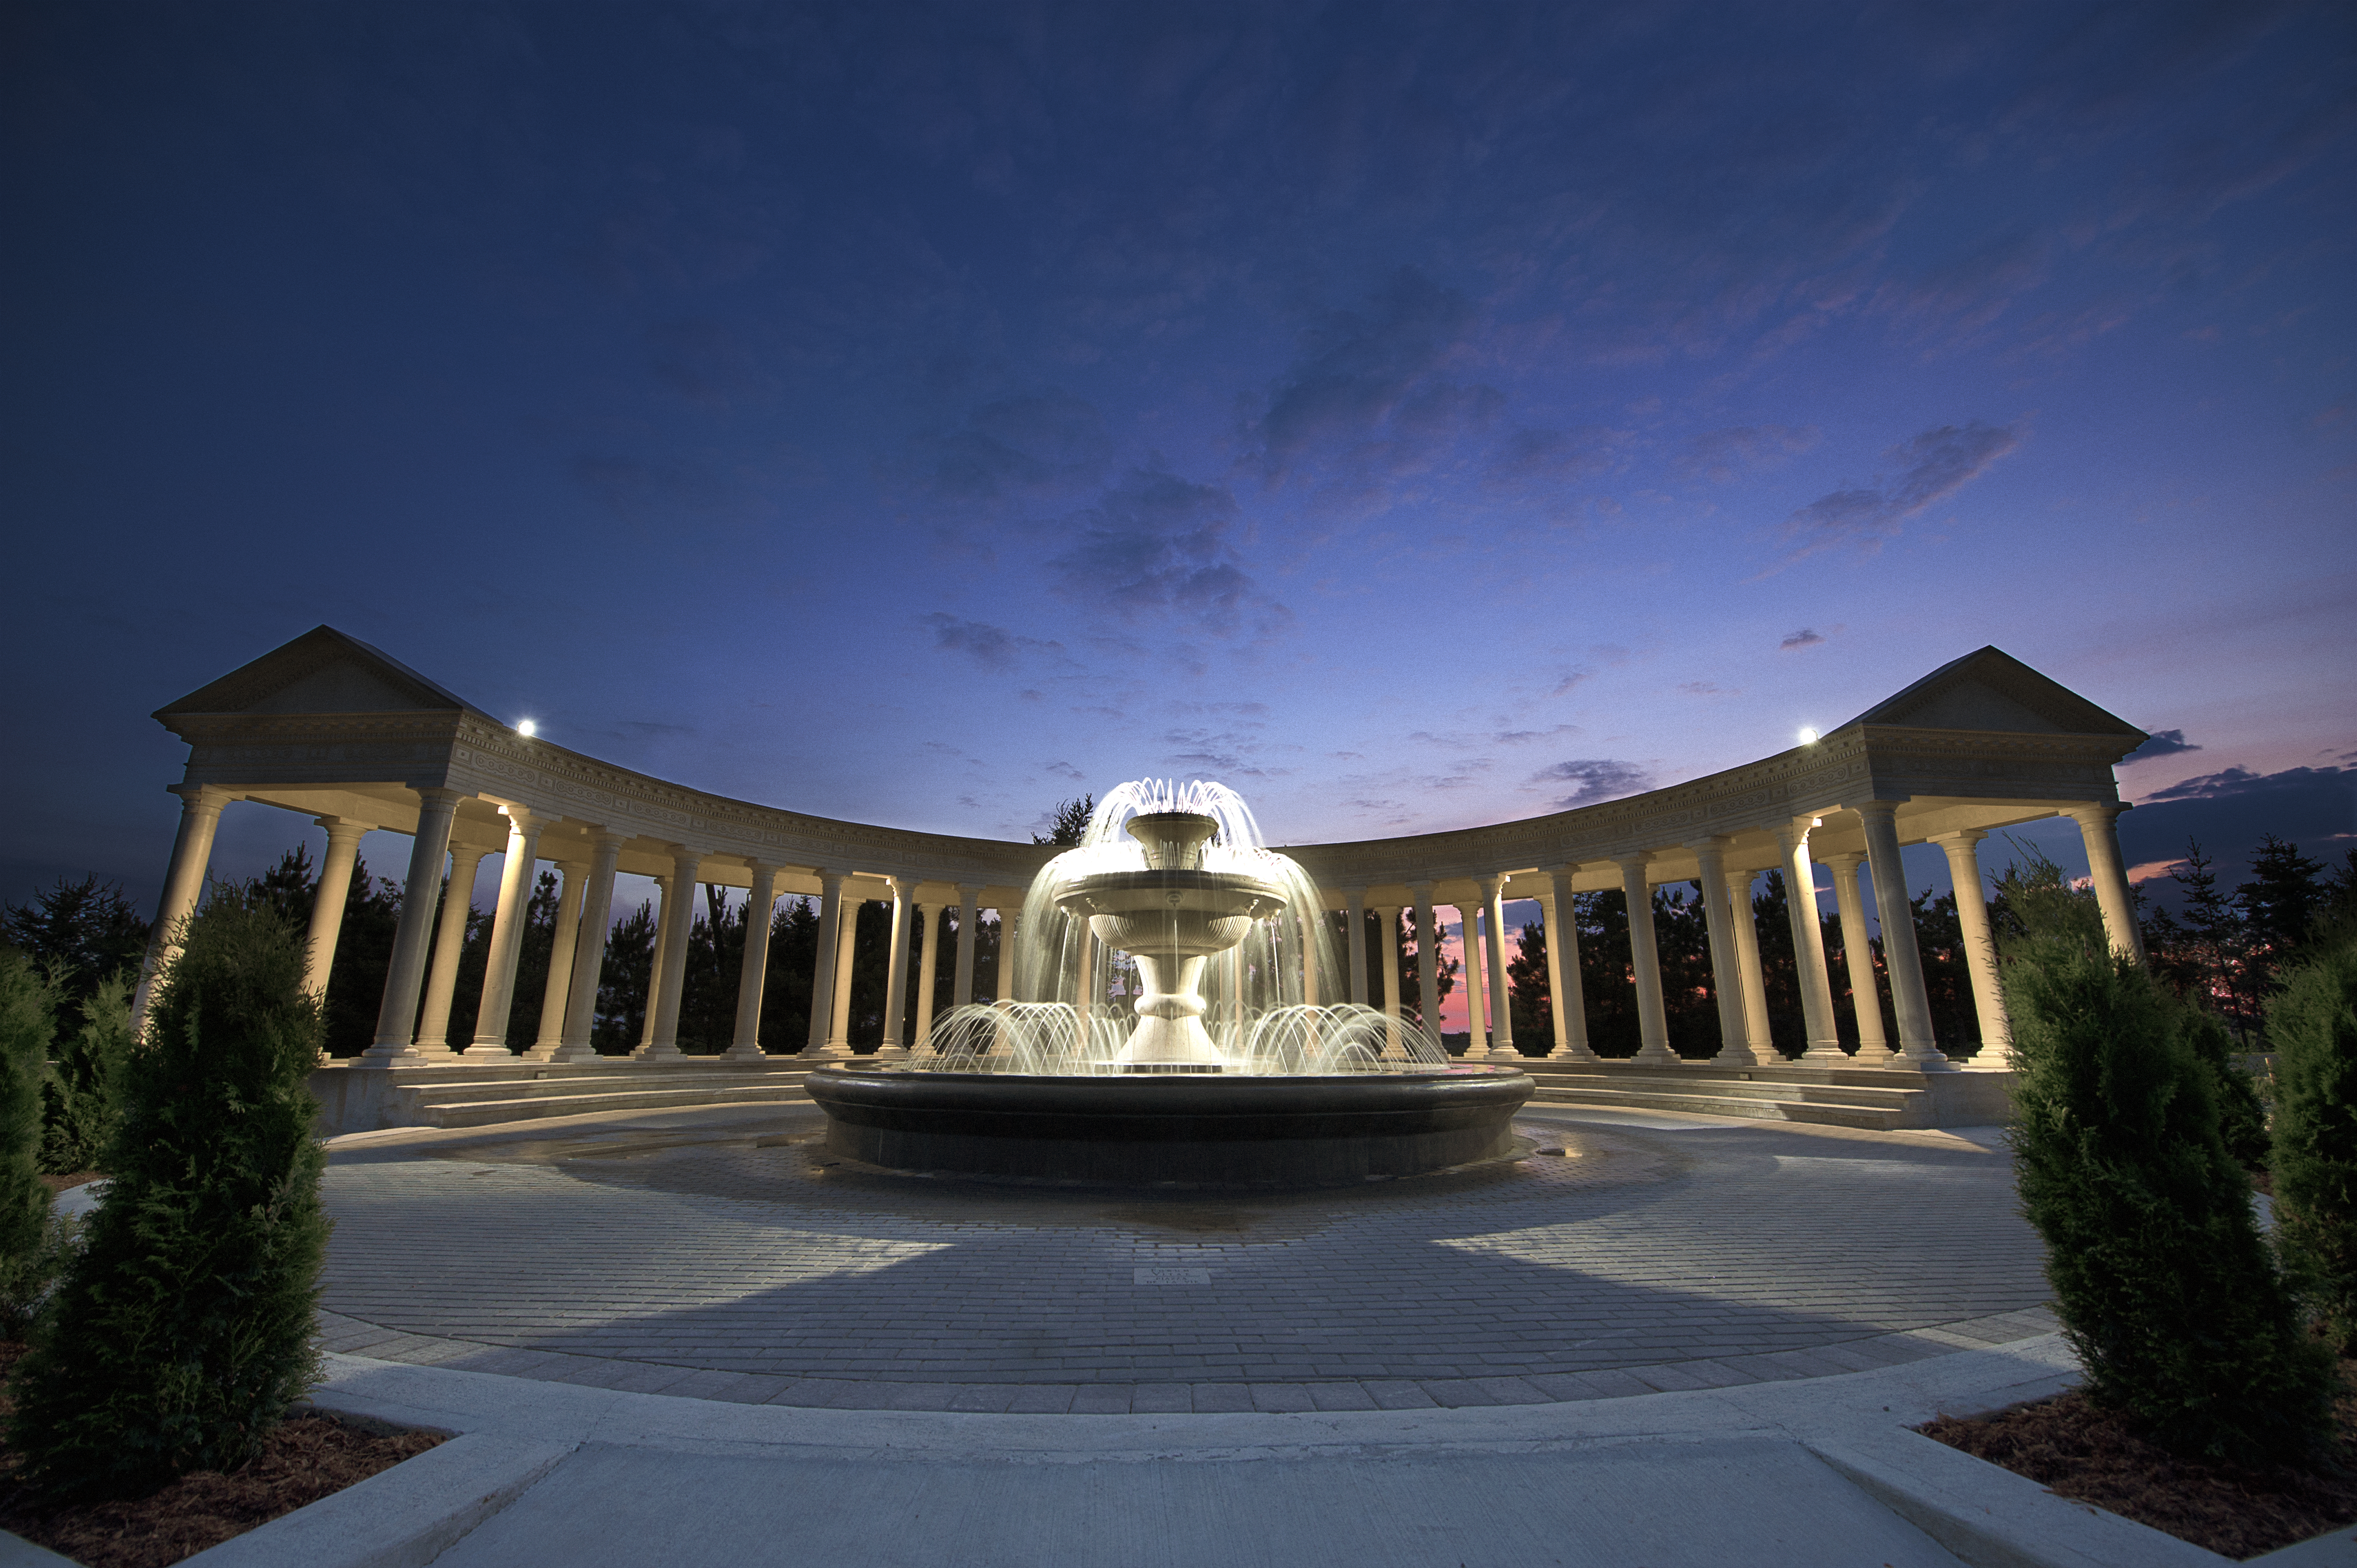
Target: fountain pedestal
x=1173, y=918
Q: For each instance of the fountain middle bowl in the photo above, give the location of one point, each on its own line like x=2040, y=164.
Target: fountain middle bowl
x=1240, y=1130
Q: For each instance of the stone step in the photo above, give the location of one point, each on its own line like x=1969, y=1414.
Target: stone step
x=521, y=1089
x=1700, y=1103
x=486, y=1113
x=1864, y=1096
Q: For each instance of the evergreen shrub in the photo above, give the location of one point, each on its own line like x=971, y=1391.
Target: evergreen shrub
x=2313, y=1027
x=2164, y=1288
x=181, y=1333
x=78, y=1102
x=29, y=1242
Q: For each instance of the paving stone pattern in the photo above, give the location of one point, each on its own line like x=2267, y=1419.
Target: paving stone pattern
x=740, y=1266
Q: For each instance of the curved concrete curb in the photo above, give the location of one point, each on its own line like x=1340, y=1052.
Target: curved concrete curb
x=400, y=1517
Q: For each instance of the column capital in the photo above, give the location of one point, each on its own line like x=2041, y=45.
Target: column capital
x=1490, y=883
x=1873, y=809
x=832, y=881
x=524, y=820
x=342, y=827
x=206, y=797
x=1420, y=891
x=1958, y=836
x=967, y=891
x=1848, y=860
x=2107, y=812
x=1636, y=860
x=1355, y=900
x=1710, y=843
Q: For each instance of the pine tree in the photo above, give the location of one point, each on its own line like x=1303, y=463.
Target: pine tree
x=27, y=1020
x=2166, y=1290
x=182, y=1331
x=79, y=1102
x=2313, y=1028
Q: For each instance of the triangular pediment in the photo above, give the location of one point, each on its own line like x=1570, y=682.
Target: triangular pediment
x=1994, y=691
x=321, y=671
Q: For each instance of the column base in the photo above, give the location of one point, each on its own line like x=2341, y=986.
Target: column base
x=582, y=1051
x=545, y=1051
x=659, y=1051
x=745, y=1054
x=389, y=1056
x=1657, y=1055
x=479, y=1053
x=1872, y=1056
x=1825, y=1053
x=892, y=1053
x=1503, y=1054
x=1929, y=1059
x=827, y=1053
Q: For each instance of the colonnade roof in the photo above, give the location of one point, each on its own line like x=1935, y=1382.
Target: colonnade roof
x=327, y=725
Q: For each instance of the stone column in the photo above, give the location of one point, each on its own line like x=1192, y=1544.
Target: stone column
x=830, y=924
x=490, y=1042
x=1980, y=946
x=1564, y=987
x=184, y=881
x=1502, y=1006
x=588, y=954
x=1645, y=960
x=1725, y=956
x=846, y=946
x=449, y=948
x=1477, y=994
x=896, y=970
x=573, y=876
x=2099, y=830
x=407, y=972
x=327, y=904
x=1808, y=945
x=1756, y=1029
x=679, y=919
x=1857, y=957
x=928, y=969
x=1354, y=911
x=1900, y=958
x=663, y=886
x=753, y=973
x=969, y=917
x=1394, y=1047
x=1427, y=961
x=1010, y=929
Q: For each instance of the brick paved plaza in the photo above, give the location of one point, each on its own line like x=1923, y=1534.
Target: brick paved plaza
x=717, y=1254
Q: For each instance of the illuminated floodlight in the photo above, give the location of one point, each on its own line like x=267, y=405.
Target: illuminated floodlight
x=528, y=729
x=1808, y=736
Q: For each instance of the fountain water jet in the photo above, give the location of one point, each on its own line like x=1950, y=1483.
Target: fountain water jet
x=1232, y=1072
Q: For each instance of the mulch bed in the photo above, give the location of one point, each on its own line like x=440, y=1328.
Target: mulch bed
x=313, y=1455
x=2094, y=1455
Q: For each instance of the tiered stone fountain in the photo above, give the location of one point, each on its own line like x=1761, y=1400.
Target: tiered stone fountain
x=1276, y=1091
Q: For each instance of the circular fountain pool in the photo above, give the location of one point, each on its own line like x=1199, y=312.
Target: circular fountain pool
x=1265, y=1130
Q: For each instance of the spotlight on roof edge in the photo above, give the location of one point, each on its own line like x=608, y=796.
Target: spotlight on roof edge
x=528, y=729
x=1808, y=736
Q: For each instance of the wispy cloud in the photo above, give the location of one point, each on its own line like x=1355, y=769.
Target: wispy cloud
x=1594, y=779
x=1807, y=636
x=992, y=647
x=1158, y=546
x=2162, y=743
x=1931, y=468
x=1719, y=456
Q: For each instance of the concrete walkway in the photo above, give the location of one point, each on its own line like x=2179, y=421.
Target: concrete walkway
x=686, y=1338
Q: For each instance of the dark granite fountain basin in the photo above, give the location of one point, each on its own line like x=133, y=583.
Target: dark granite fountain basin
x=1224, y=1130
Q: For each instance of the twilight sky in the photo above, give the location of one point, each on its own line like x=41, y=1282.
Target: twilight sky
x=1413, y=416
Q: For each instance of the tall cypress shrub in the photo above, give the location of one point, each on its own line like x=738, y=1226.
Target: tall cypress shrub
x=27, y=1018
x=181, y=1333
x=78, y=1101
x=2164, y=1286
x=2313, y=1027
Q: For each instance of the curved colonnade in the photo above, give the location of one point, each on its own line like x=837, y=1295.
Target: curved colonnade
x=331, y=728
